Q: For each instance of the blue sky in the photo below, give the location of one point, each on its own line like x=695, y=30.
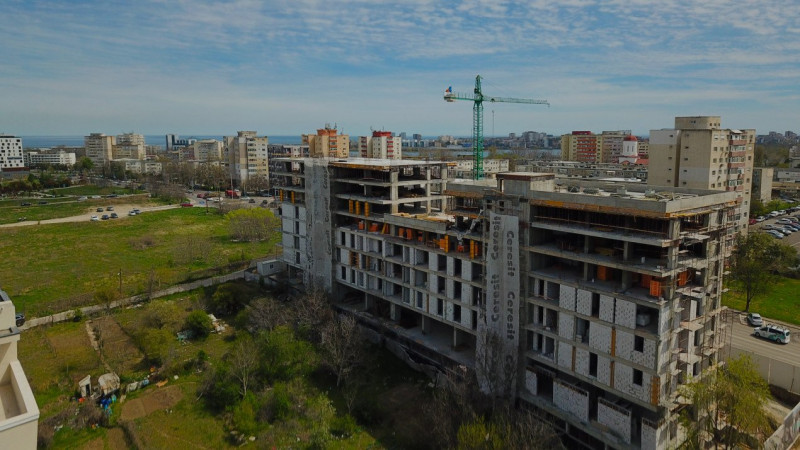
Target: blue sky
x=289, y=67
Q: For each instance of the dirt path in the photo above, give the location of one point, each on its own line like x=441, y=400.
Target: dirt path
x=121, y=210
x=96, y=345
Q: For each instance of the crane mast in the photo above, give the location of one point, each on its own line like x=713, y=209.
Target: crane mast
x=478, y=98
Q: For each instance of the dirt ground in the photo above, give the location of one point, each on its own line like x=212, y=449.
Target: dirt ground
x=118, y=349
x=115, y=438
x=155, y=400
x=121, y=210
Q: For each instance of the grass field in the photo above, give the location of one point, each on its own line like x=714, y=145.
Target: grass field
x=55, y=267
x=781, y=303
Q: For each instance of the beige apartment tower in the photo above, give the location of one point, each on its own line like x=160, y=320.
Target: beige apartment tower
x=247, y=156
x=698, y=154
x=327, y=143
x=99, y=148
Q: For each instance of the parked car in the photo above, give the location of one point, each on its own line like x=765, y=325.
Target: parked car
x=82, y=198
x=20, y=317
x=252, y=200
x=114, y=215
x=25, y=204
x=773, y=333
x=131, y=213
x=775, y=233
x=110, y=208
x=755, y=319
x=99, y=210
x=94, y=219
x=42, y=202
x=105, y=217
x=186, y=205
x=760, y=218
x=136, y=210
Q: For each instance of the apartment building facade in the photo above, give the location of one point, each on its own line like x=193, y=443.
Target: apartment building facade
x=327, y=143
x=60, y=157
x=605, y=297
x=11, y=153
x=99, y=148
x=380, y=145
x=129, y=146
x=697, y=153
x=19, y=414
x=247, y=156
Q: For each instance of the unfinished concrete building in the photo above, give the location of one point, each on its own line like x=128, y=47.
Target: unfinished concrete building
x=605, y=297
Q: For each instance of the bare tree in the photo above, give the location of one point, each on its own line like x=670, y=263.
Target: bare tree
x=244, y=363
x=312, y=312
x=265, y=314
x=343, y=345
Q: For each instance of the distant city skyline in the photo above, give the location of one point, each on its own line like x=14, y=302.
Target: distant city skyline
x=288, y=68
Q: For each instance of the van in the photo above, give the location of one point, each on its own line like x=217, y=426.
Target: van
x=774, y=333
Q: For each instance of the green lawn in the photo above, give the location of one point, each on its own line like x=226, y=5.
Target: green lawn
x=56, y=267
x=781, y=303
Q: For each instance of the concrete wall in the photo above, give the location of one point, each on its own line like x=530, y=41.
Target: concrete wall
x=615, y=417
x=571, y=399
x=777, y=373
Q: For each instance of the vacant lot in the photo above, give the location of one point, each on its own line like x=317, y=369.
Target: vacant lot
x=11, y=211
x=48, y=268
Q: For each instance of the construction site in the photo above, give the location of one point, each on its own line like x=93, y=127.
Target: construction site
x=600, y=298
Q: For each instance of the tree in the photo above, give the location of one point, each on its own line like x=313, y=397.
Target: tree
x=244, y=364
x=343, y=346
x=312, y=312
x=84, y=165
x=727, y=405
x=252, y=224
x=199, y=323
x=756, y=260
x=283, y=355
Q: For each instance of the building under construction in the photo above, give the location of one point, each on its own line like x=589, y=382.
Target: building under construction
x=605, y=298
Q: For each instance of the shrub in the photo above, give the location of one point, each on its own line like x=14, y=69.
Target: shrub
x=344, y=426
x=199, y=323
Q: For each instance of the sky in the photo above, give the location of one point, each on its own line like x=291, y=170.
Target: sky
x=290, y=67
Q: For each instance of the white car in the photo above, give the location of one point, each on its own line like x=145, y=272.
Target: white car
x=95, y=219
x=773, y=333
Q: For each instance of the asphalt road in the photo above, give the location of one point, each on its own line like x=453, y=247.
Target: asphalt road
x=740, y=335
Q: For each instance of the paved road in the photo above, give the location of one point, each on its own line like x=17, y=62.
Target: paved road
x=740, y=335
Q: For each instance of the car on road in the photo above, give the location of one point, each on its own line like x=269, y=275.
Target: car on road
x=25, y=204
x=94, y=219
x=773, y=333
x=755, y=319
x=186, y=205
x=114, y=215
x=99, y=210
x=42, y=202
x=105, y=217
x=83, y=198
x=252, y=200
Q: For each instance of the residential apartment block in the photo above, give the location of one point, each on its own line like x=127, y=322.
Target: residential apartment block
x=463, y=168
x=380, y=145
x=603, y=298
x=698, y=154
x=19, y=413
x=327, y=143
x=60, y=157
x=11, y=153
x=247, y=156
x=99, y=148
x=129, y=146
x=585, y=146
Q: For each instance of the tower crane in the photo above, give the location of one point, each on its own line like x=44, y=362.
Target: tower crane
x=477, y=118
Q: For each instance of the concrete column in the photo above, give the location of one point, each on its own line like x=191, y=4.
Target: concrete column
x=394, y=312
x=425, y=324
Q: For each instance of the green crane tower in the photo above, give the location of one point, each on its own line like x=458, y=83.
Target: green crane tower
x=477, y=118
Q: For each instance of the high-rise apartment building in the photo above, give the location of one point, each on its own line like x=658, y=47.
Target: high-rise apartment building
x=206, y=150
x=699, y=154
x=380, y=145
x=99, y=148
x=19, y=414
x=327, y=143
x=592, y=303
x=11, y=153
x=247, y=156
x=582, y=146
x=129, y=146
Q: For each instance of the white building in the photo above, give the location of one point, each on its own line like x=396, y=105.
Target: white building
x=11, y=153
x=248, y=156
x=140, y=166
x=19, y=414
x=60, y=157
x=380, y=145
